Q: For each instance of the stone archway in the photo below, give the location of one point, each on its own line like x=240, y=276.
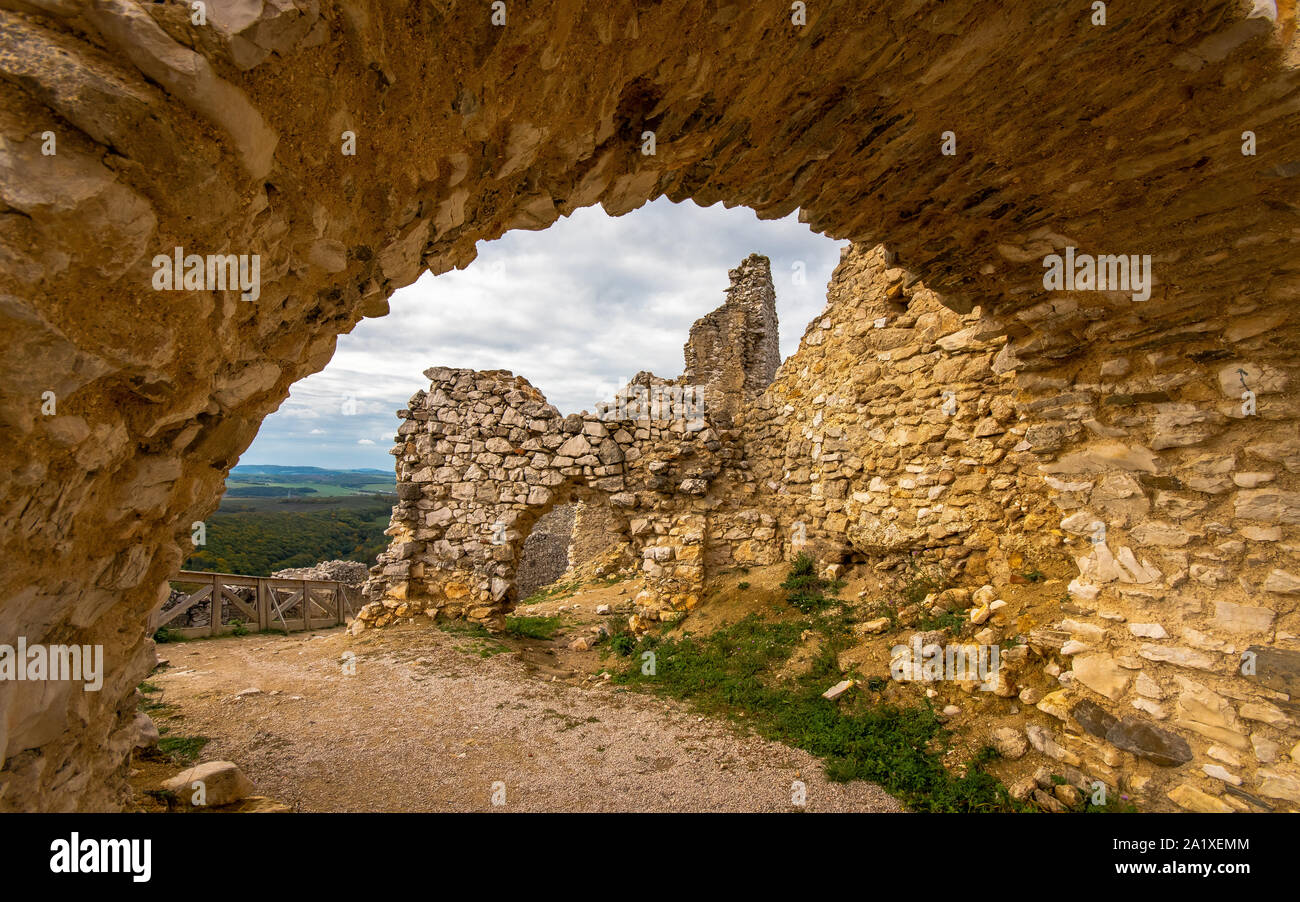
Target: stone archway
x=127, y=131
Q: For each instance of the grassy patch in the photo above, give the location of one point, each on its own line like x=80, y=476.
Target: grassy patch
x=466, y=628
x=730, y=673
x=952, y=621
x=152, y=703
x=899, y=748
x=182, y=750
x=481, y=641
x=532, y=627
x=1115, y=804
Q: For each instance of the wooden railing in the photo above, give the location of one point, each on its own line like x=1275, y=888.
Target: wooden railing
x=267, y=602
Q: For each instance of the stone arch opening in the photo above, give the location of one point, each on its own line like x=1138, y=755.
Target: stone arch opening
x=234, y=140
x=545, y=555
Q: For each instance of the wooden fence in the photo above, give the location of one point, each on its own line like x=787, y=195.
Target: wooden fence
x=264, y=603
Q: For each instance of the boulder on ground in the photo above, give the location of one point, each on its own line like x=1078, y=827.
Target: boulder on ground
x=220, y=783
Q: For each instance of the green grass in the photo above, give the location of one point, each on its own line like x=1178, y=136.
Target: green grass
x=152, y=703
x=952, y=621
x=182, y=749
x=466, y=628
x=482, y=642
x=805, y=590
x=532, y=627
x=728, y=673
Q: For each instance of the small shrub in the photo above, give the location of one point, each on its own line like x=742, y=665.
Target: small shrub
x=952, y=621
x=742, y=586
x=922, y=580
x=623, y=643
x=805, y=590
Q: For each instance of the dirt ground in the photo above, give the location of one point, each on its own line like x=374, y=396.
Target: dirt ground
x=436, y=720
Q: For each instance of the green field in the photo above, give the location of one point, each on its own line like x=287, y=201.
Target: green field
x=239, y=489
x=295, y=517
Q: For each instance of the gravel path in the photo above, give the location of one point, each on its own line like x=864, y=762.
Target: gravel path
x=426, y=724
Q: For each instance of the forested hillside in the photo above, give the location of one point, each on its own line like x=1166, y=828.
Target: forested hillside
x=295, y=517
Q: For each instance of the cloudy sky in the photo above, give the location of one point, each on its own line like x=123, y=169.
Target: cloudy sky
x=576, y=309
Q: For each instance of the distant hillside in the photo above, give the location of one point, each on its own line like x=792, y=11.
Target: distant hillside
x=275, y=481
x=277, y=470
x=273, y=517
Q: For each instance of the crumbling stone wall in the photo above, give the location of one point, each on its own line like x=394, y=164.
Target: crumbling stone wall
x=353, y=144
x=483, y=456
x=888, y=431
x=596, y=526
x=1160, y=462
x=733, y=352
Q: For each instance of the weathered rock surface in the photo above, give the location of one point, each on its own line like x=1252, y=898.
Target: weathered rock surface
x=123, y=407
x=210, y=785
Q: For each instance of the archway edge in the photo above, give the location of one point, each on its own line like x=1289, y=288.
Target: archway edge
x=228, y=138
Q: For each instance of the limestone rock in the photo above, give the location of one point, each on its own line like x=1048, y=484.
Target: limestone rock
x=221, y=783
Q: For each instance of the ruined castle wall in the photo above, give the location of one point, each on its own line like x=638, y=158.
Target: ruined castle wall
x=596, y=527
x=734, y=351
x=888, y=431
x=481, y=456
x=545, y=552
x=1158, y=463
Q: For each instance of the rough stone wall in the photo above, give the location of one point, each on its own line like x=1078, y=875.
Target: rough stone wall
x=888, y=431
x=228, y=138
x=1173, y=666
x=596, y=526
x=482, y=456
x=733, y=352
